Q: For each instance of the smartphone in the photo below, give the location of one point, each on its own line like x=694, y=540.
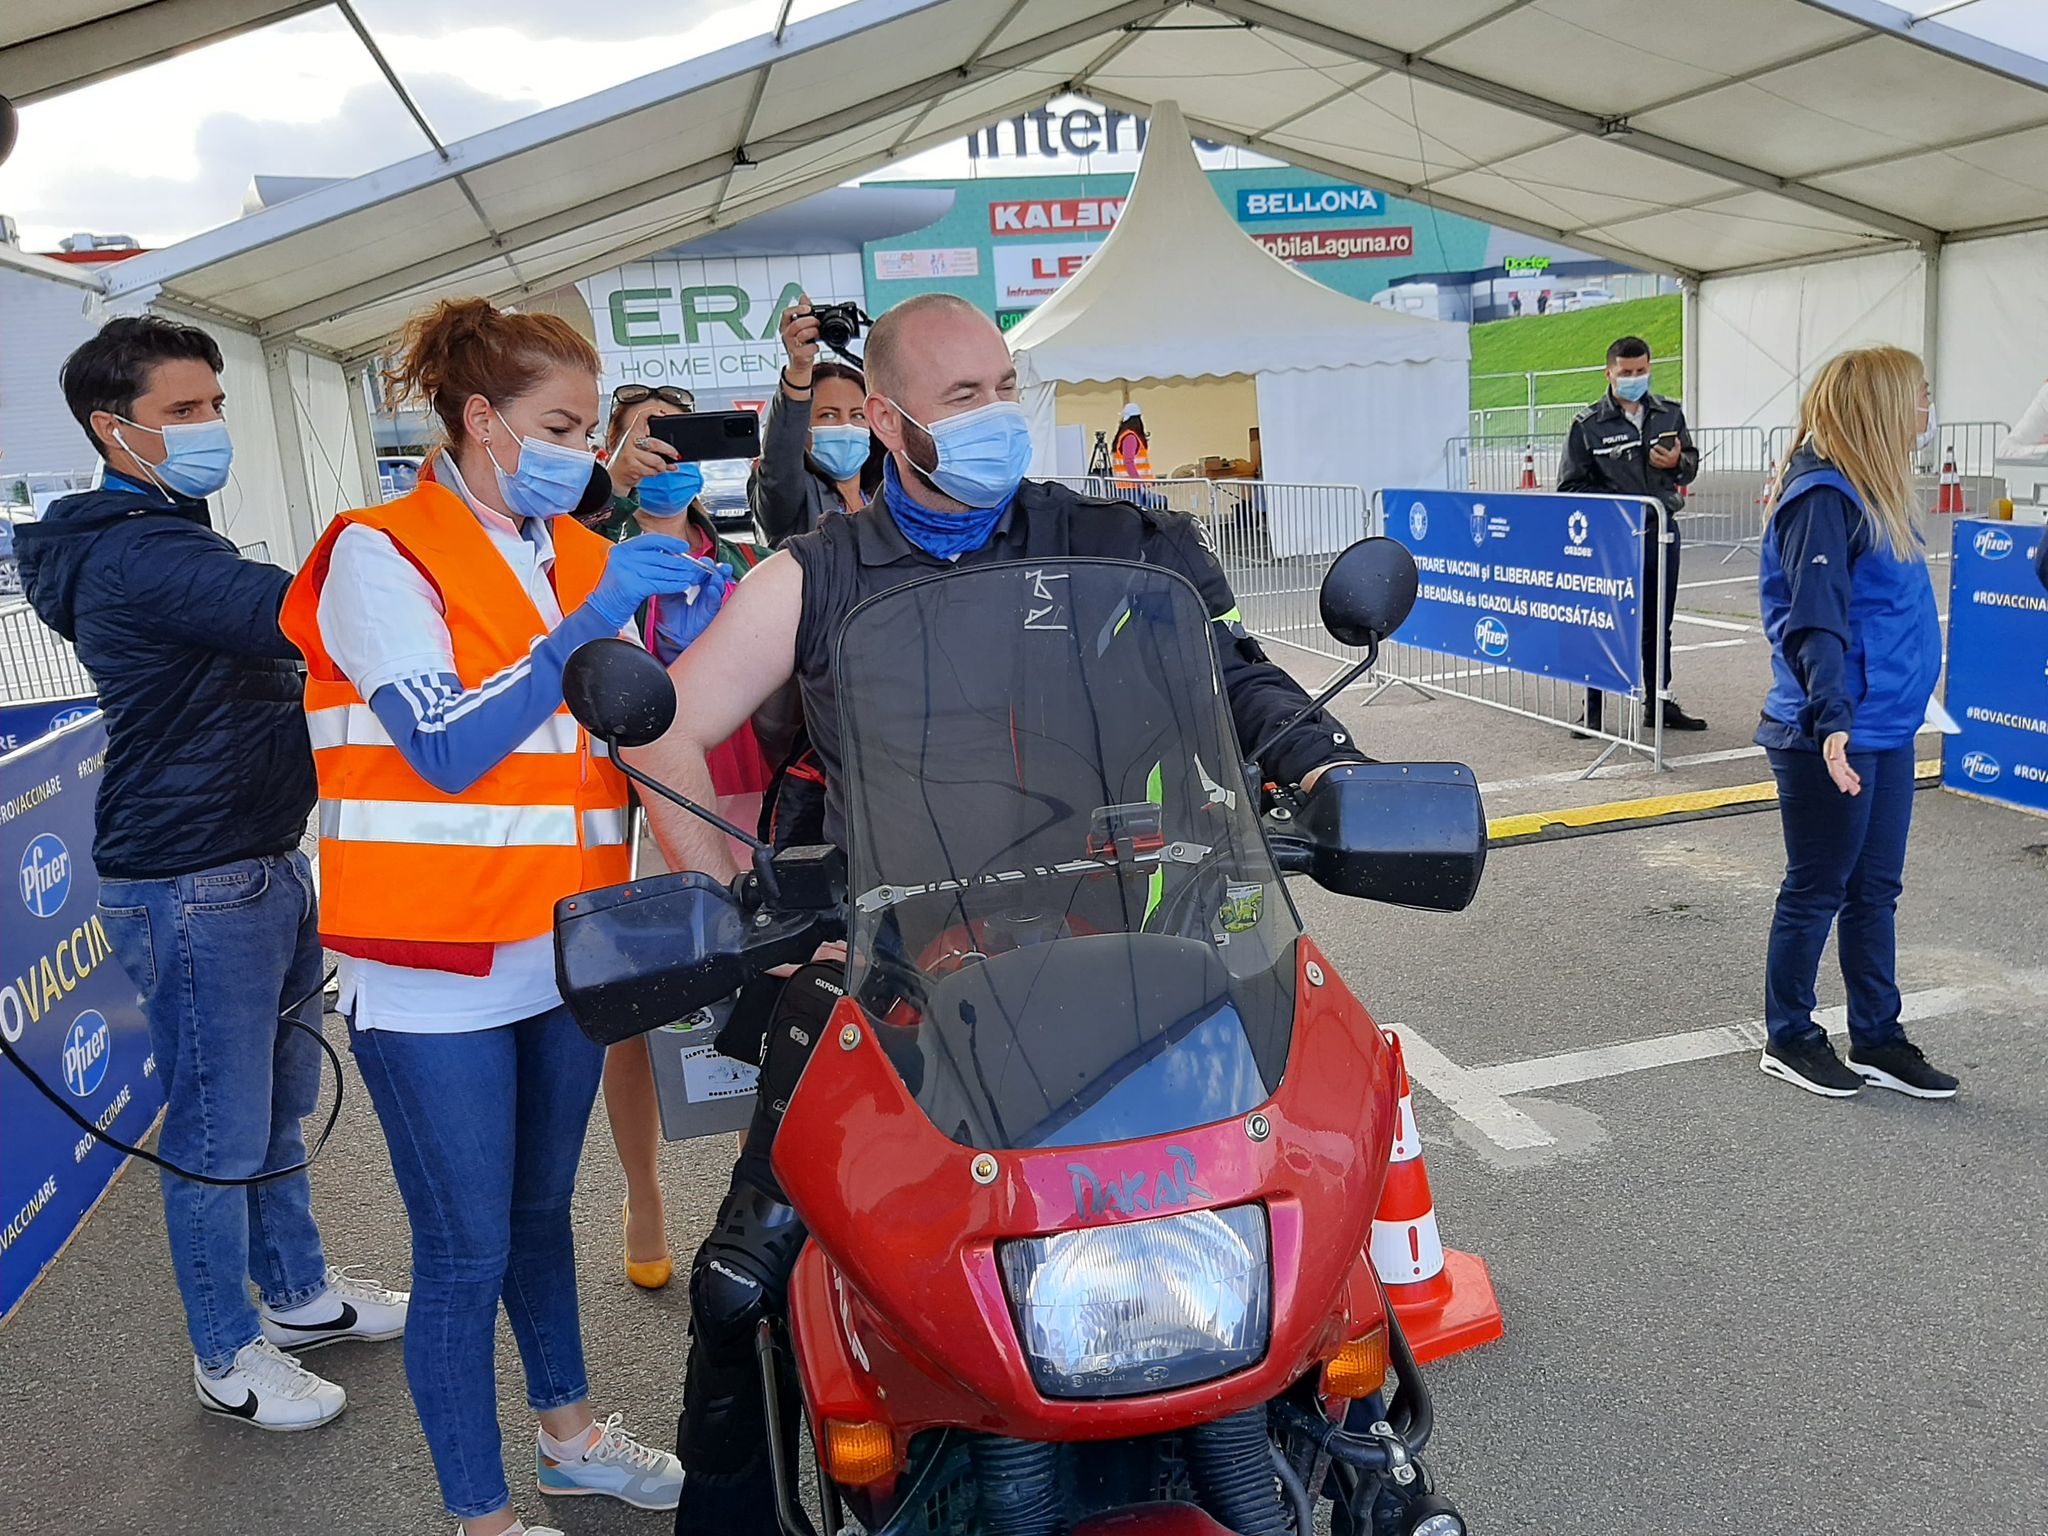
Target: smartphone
x=705, y=435
x=1663, y=438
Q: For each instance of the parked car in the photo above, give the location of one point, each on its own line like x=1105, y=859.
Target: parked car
x=725, y=496
x=397, y=474
x=1580, y=298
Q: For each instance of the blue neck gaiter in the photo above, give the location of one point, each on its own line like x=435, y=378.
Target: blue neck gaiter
x=942, y=535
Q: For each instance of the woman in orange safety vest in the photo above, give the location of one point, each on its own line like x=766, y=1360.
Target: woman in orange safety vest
x=459, y=801
x=1133, y=446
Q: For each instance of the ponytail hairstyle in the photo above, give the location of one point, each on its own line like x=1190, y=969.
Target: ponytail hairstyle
x=1861, y=414
x=465, y=347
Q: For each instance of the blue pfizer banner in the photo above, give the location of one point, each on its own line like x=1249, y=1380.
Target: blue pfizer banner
x=21, y=724
x=1535, y=582
x=1998, y=665
x=66, y=1007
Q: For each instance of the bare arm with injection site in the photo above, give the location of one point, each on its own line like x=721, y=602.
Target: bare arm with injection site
x=729, y=672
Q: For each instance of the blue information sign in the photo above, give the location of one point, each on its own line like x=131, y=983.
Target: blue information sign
x=22, y=724
x=65, y=1005
x=1998, y=665
x=1536, y=582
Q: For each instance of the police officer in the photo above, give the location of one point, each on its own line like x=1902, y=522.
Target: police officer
x=1630, y=442
x=942, y=398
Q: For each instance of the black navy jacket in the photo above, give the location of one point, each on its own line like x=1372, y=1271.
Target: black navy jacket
x=1604, y=454
x=207, y=758
x=846, y=560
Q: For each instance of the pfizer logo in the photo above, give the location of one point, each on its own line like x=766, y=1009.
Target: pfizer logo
x=86, y=1052
x=1491, y=636
x=1993, y=543
x=1576, y=526
x=45, y=874
x=1980, y=767
x=73, y=716
x=1418, y=522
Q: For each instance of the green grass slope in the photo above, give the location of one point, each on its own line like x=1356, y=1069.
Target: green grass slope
x=1538, y=343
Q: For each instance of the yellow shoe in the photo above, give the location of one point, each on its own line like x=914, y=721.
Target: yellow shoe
x=651, y=1275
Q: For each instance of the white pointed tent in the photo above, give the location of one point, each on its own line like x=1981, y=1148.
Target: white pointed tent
x=1348, y=393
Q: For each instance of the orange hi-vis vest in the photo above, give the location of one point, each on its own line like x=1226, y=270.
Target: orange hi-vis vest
x=1144, y=458
x=399, y=859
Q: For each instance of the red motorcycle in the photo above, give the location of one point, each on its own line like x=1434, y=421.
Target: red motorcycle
x=1090, y=1151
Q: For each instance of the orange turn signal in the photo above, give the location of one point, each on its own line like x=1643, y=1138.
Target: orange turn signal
x=858, y=1453
x=1360, y=1368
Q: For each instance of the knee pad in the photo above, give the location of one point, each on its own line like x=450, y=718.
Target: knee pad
x=741, y=1274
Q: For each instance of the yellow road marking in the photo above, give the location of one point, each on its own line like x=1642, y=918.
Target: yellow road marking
x=1651, y=808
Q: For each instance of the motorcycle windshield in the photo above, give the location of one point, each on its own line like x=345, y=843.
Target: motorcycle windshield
x=1065, y=920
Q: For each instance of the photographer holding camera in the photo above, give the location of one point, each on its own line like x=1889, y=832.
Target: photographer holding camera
x=817, y=456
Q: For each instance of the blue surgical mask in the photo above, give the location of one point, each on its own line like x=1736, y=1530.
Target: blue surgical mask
x=983, y=453
x=549, y=481
x=1634, y=387
x=840, y=451
x=197, y=456
x=666, y=494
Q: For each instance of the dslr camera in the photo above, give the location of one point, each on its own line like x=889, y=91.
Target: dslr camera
x=840, y=325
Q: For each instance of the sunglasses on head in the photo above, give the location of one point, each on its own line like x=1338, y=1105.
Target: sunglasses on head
x=633, y=394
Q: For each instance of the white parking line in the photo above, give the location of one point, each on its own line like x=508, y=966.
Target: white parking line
x=1718, y=581
x=1694, y=618
x=1479, y=1095
x=1709, y=645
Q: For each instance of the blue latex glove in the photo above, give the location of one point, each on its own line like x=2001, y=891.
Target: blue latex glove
x=679, y=622
x=651, y=565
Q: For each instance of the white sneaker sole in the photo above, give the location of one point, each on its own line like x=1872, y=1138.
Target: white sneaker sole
x=607, y=1493
x=215, y=1411
x=1770, y=1066
x=298, y=1345
x=1878, y=1078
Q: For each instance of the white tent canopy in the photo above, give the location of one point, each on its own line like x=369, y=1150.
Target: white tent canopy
x=1178, y=290
x=1704, y=140
x=1348, y=393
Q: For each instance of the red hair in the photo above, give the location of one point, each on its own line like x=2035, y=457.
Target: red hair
x=464, y=347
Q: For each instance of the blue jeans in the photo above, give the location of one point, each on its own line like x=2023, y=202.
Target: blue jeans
x=1845, y=862
x=217, y=956
x=485, y=1129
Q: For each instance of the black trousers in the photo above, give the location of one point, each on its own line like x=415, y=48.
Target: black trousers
x=1660, y=603
x=741, y=1277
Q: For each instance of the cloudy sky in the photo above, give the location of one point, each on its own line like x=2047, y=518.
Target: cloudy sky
x=168, y=151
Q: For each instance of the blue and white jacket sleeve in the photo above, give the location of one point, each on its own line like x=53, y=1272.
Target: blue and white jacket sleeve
x=1816, y=546
x=383, y=624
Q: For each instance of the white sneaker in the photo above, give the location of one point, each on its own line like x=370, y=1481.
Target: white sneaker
x=351, y=1307
x=270, y=1389
x=615, y=1464
x=518, y=1528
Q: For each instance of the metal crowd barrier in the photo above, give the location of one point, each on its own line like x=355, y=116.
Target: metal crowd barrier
x=1627, y=724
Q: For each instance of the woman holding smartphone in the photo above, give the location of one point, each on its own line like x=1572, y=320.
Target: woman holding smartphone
x=459, y=801
x=1855, y=652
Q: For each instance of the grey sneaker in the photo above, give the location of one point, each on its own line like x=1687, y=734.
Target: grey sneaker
x=616, y=1464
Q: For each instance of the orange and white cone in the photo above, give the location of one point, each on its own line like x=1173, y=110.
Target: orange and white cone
x=1951, y=488
x=1528, y=469
x=1443, y=1298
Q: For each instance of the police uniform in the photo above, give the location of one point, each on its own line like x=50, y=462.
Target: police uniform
x=1606, y=454
x=741, y=1273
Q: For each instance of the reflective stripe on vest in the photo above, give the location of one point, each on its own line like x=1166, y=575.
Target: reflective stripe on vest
x=402, y=860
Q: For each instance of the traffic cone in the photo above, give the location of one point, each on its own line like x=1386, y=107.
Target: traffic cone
x=1951, y=487
x=1528, y=469
x=1443, y=1298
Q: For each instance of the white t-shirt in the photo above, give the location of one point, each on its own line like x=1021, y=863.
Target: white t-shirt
x=381, y=620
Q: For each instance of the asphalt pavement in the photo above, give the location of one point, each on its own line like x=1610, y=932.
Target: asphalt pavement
x=1730, y=1306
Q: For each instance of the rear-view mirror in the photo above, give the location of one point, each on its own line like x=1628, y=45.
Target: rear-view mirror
x=1408, y=834
x=619, y=693
x=1368, y=591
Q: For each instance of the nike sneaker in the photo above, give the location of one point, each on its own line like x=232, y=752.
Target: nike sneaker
x=351, y=1307
x=269, y=1389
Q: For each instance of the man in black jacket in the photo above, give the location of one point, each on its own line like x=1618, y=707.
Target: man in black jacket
x=942, y=394
x=1630, y=442
x=204, y=894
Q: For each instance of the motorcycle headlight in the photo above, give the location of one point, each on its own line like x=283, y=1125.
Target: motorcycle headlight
x=1144, y=1306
